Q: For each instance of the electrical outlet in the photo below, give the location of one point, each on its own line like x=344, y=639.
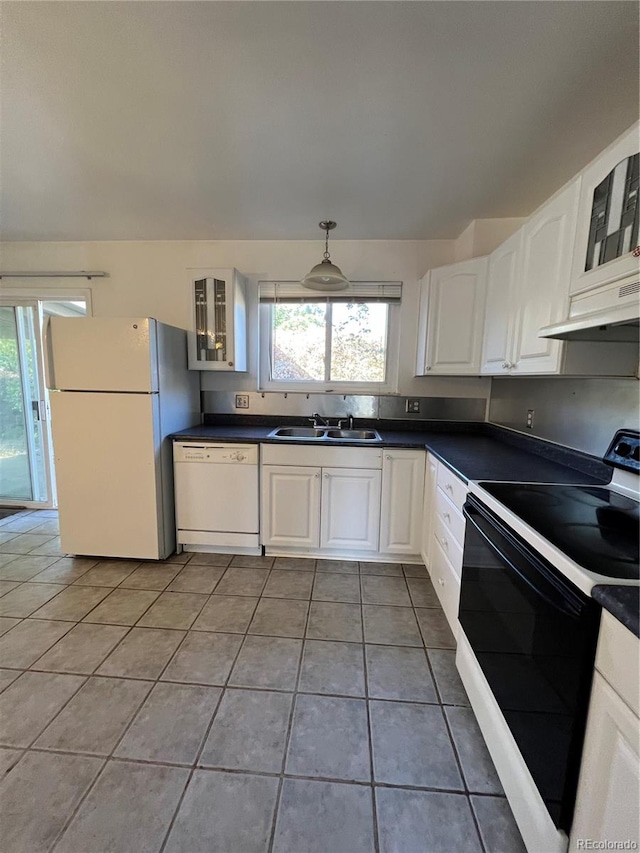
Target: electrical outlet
x=412, y=406
x=242, y=401
x=530, y=414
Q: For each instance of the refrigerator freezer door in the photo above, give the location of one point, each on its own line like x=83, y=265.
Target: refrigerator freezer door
x=108, y=472
x=102, y=354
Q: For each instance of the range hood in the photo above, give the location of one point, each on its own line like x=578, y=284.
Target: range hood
x=607, y=313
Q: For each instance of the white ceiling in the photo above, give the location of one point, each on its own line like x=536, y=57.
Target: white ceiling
x=254, y=120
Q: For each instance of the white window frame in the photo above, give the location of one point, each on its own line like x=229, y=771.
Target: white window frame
x=389, y=386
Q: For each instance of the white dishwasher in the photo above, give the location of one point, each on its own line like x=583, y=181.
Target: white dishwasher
x=216, y=488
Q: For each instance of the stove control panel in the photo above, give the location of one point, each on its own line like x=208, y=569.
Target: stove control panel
x=624, y=450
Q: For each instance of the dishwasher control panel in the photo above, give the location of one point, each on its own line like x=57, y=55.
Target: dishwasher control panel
x=219, y=454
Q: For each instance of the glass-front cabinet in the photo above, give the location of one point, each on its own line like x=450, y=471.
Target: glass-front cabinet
x=606, y=245
x=218, y=336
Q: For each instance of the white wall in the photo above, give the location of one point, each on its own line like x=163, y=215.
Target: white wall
x=149, y=279
x=482, y=236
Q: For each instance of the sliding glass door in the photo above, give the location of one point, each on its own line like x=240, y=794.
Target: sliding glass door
x=26, y=472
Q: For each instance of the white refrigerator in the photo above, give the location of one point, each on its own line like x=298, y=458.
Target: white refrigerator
x=119, y=386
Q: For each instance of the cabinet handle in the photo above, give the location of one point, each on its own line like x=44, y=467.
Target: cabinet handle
x=316, y=476
x=440, y=581
x=428, y=367
x=505, y=365
x=446, y=516
x=388, y=457
x=448, y=487
x=326, y=476
x=230, y=364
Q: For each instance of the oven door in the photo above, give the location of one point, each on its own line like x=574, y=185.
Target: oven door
x=534, y=636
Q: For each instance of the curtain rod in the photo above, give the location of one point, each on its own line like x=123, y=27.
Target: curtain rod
x=57, y=274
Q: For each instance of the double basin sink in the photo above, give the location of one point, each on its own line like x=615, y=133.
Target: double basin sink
x=325, y=434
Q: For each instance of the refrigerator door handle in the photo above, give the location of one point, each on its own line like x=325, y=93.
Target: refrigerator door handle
x=47, y=348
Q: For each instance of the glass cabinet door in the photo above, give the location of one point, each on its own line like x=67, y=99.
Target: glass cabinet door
x=217, y=340
x=210, y=296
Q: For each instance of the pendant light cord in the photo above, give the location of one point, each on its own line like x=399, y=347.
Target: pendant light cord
x=326, y=246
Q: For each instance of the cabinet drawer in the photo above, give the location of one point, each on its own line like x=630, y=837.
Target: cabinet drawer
x=449, y=545
x=618, y=659
x=451, y=518
x=446, y=584
x=321, y=457
x=452, y=486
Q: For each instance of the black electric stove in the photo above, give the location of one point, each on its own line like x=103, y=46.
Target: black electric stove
x=594, y=526
x=528, y=623
x=597, y=527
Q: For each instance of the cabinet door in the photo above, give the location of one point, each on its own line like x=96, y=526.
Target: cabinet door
x=402, y=492
x=455, y=318
x=423, y=322
x=350, y=509
x=499, y=319
x=290, y=506
x=429, y=508
x=607, y=803
x=543, y=294
x=218, y=337
x=608, y=216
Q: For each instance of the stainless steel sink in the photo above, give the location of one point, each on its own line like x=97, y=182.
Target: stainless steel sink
x=354, y=434
x=327, y=434
x=297, y=432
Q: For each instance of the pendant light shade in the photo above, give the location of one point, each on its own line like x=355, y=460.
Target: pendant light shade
x=325, y=275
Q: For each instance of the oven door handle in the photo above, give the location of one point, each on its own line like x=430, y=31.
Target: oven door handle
x=559, y=603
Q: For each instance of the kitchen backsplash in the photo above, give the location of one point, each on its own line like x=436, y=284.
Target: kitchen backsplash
x=579, y=413
x=337, y=405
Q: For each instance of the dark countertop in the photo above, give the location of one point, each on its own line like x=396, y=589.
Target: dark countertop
x=472, y=451
x=623, y=602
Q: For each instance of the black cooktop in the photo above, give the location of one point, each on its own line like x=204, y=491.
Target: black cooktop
x=594, y=526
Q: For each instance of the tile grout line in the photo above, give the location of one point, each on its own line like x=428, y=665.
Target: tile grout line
x=203, y=742
x=110, y=757
x=294, y=699
x=374, y=805
x=296, y=692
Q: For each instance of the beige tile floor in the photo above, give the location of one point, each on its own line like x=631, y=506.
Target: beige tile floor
x=232, y=704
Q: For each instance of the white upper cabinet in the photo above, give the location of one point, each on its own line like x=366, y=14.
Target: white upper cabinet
x=218, y=335
x=608, y=216
x=451, y=319
x=501, y=309
x=542, y=292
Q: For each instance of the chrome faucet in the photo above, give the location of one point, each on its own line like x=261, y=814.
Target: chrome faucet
x=349, y=419
x=318, y=420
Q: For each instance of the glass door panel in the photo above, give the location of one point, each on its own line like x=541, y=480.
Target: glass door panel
x=23, y=432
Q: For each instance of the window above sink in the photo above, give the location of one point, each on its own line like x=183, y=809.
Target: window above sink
x=345, y=342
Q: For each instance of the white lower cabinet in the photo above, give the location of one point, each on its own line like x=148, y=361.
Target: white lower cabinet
x=609, y=793
x=350, y=509
x=290, y=506
x=342, y=501
x=402, y=499
x=443, y=535
x=428, y=508
x=319, y=499
x=608, y=798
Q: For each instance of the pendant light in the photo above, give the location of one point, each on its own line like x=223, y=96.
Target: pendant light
x=325, y=275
